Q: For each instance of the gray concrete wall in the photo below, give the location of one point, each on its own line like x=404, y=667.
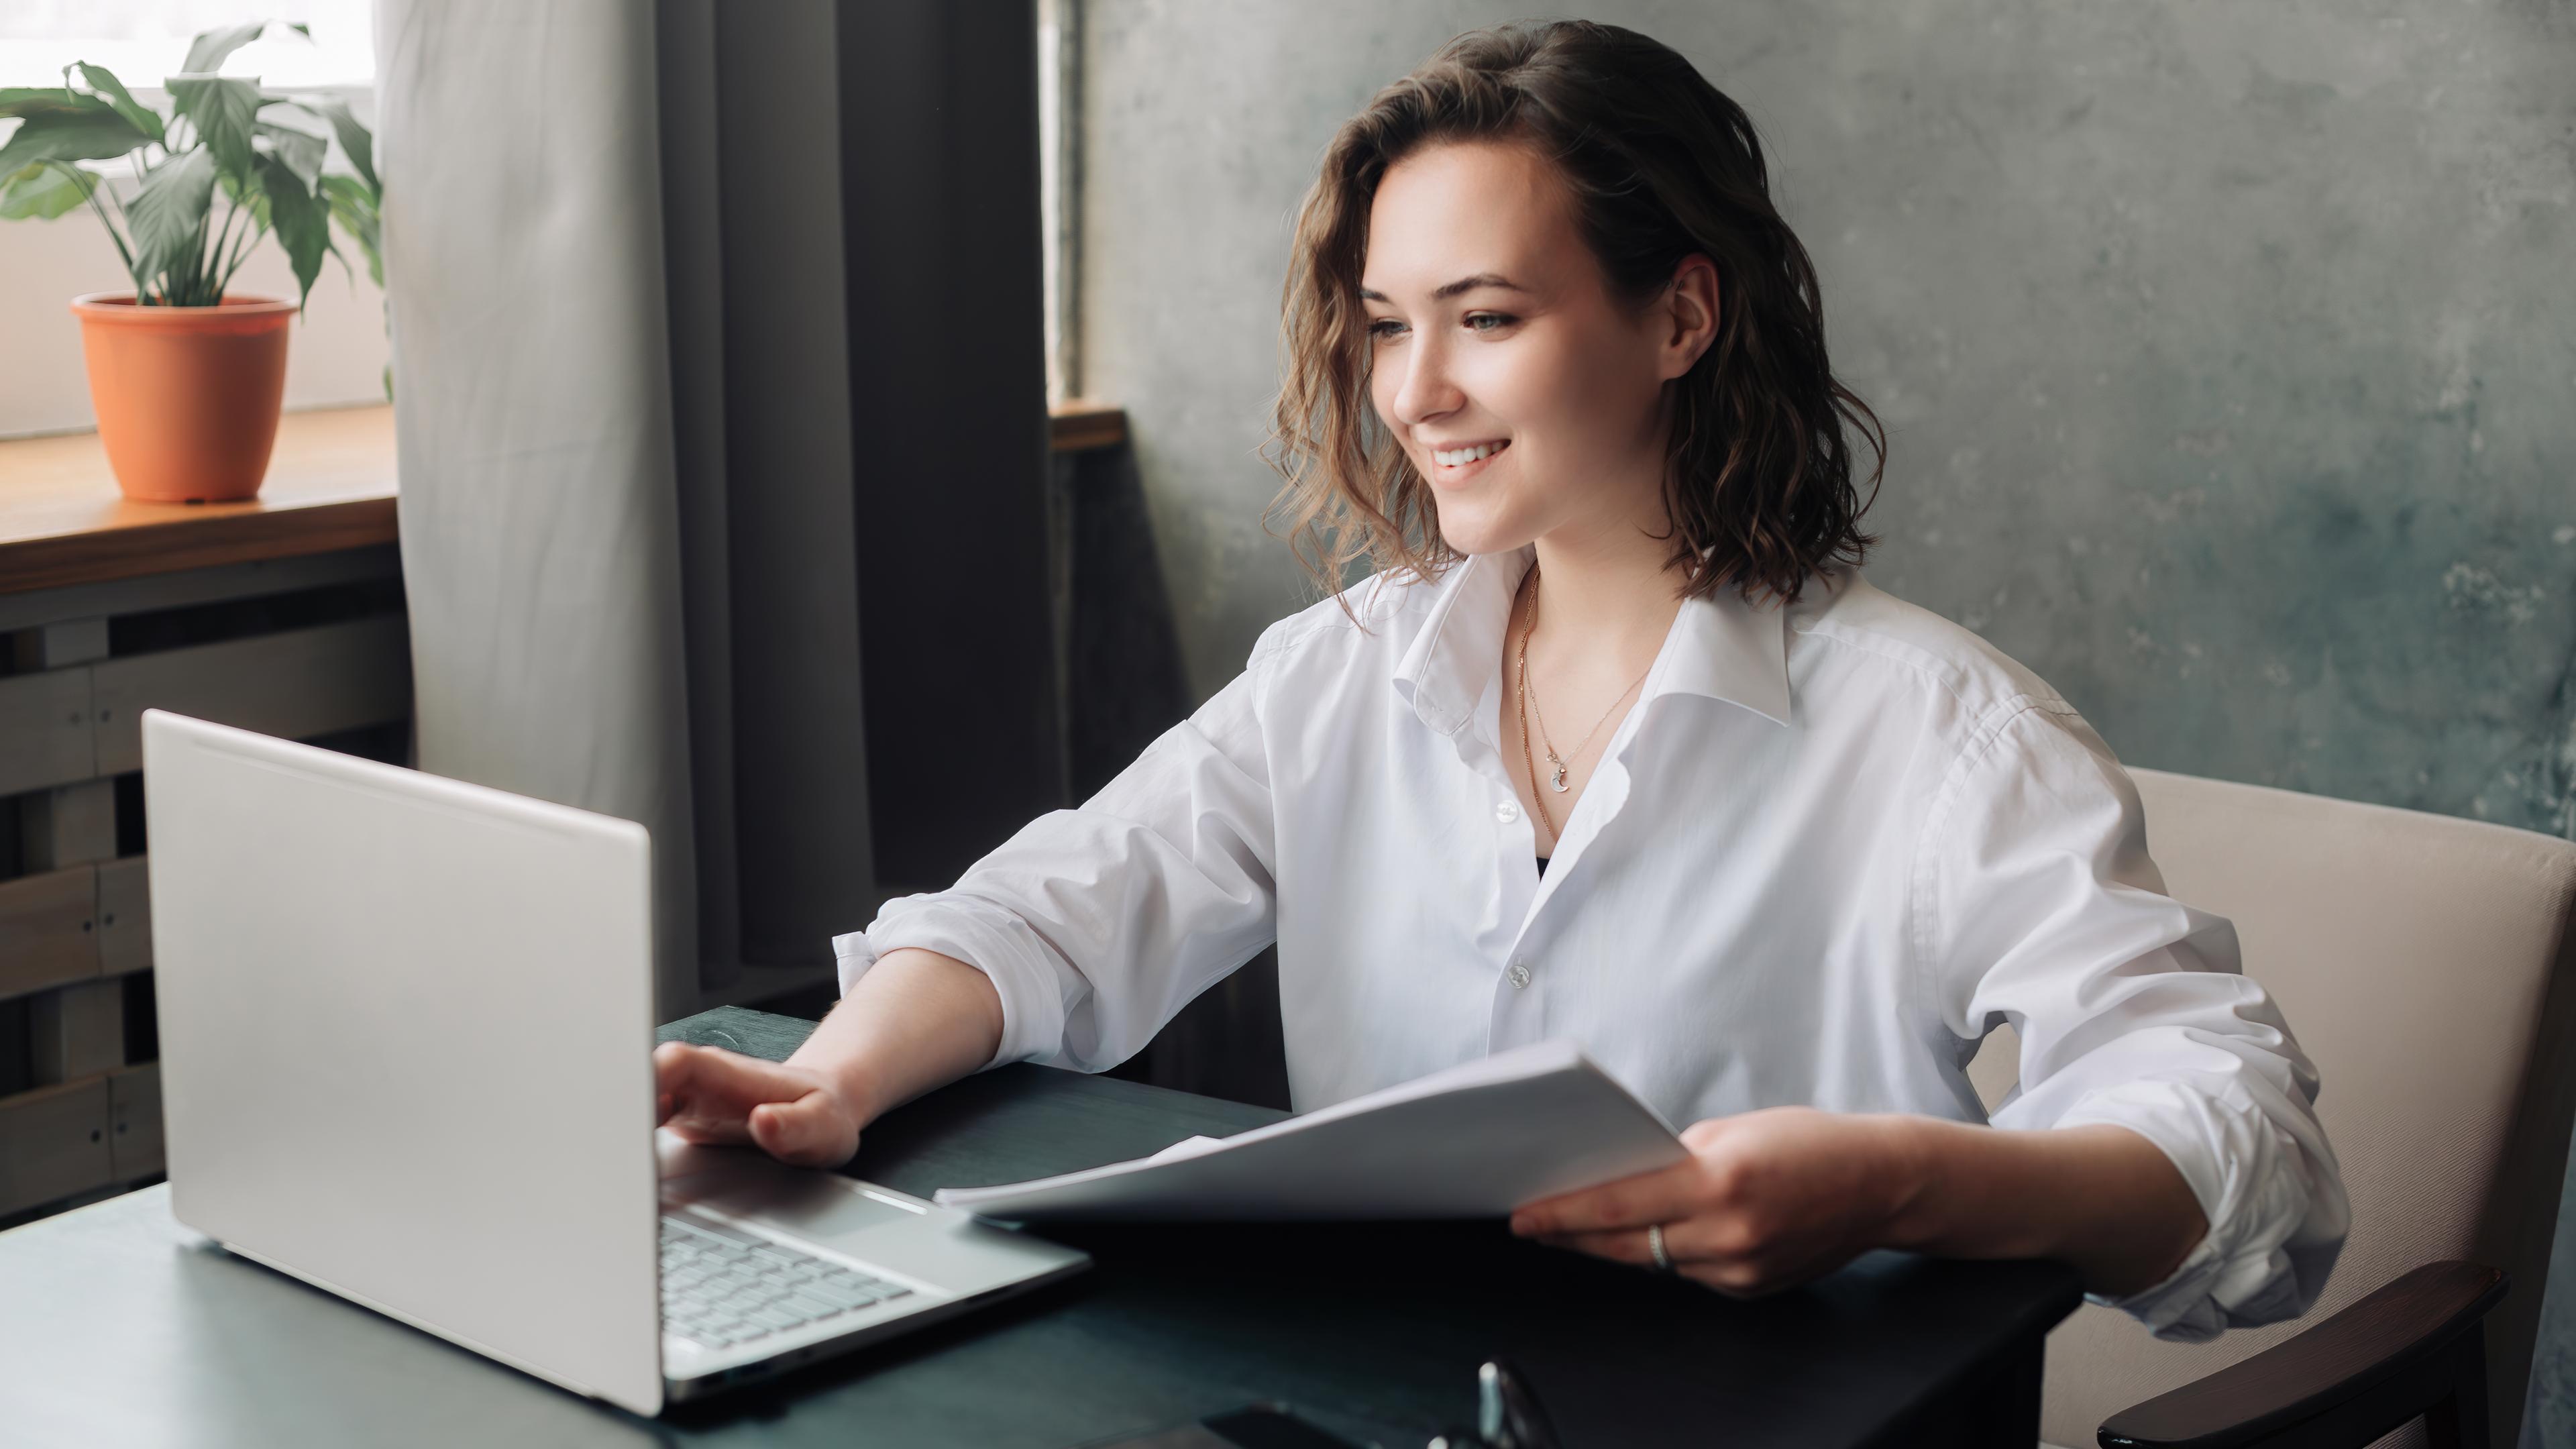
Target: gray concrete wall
x=2229, y=352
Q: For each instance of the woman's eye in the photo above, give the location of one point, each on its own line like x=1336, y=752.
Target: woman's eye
x=1386, y=327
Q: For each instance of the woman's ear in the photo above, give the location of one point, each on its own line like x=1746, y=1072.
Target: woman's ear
x=1688, y=316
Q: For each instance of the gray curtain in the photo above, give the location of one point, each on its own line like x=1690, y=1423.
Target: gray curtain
x=532, y=403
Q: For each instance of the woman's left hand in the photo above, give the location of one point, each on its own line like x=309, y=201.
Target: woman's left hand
x=1766, y=1201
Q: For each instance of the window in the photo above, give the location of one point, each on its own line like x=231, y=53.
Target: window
x=144, y=40
x=337, y=357
x=1059, y=97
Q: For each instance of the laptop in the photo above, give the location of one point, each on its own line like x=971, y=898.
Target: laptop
x=406, y=1055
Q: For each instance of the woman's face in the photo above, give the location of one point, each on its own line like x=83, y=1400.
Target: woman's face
x=1527, y=395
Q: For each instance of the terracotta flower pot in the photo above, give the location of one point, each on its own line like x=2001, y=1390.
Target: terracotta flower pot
x=187, y=397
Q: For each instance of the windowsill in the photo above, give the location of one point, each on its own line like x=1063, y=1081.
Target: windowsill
x=330, y=486
x=1080, y=425
x=62, y=521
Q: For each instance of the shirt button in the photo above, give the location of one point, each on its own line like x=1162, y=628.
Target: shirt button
x=1518, y=975
x=1507, y=812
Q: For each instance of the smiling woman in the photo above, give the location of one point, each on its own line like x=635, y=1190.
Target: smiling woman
x=1556, y=366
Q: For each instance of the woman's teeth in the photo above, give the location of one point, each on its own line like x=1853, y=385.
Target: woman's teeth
x=1452, y=457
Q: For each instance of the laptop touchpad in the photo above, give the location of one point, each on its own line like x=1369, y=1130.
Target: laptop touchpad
x=813, y=1204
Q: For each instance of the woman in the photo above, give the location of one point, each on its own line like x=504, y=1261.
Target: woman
x=1618, y=745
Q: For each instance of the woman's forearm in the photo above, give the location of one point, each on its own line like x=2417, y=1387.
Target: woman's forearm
x=2100, y=1197
x=916, y=1020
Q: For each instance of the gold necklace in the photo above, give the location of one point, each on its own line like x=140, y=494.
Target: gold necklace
x=1529, y=708
x=1528, y=761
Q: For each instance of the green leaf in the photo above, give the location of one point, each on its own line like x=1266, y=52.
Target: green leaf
x=43, y=192
x=349, y=191
x=302, y=151
x=210, y=48
x=87, y=129
x=353, y=205
x=354, y=137
x=15, y=100
x=104, y=81
x=302, y=226
x=168, y=217
x=223, y=110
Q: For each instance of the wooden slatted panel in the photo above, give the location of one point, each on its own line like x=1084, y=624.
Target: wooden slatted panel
x=77, y=1031
x=53, y=1143
x=45, y=736
x=134, y=1122
x=48, y=929
x=66, y=826
x=293, y=685
x=124, y=916
x=215, y=585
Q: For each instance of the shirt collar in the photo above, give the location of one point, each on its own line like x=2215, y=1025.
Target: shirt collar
x=1723, y=648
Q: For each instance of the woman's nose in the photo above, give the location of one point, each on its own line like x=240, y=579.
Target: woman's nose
x=1427, y=391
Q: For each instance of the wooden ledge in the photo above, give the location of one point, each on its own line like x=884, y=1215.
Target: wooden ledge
x=1080, y=426
x=330, y=486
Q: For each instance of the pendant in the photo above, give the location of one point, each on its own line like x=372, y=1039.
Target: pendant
x=1559, y=782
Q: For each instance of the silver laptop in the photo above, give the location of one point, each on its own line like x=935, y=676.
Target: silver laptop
x=406, y=1033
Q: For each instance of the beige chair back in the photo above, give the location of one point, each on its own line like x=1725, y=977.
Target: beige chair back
x=2426, y=964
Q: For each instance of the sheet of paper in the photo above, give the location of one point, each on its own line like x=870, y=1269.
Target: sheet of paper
x=1474, y=1141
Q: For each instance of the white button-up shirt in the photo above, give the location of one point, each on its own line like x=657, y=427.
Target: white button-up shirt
x=1830, y=848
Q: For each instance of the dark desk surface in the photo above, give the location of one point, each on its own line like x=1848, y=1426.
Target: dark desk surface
x=117, y=1325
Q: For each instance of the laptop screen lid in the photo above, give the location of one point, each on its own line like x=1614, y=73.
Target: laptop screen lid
x=406, y=1026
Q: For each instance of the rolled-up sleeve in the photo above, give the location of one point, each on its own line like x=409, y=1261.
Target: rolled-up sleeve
x=1098, y=924
x=2043, y=909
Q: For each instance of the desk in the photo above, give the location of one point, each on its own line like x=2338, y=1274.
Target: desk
x=118, y=1326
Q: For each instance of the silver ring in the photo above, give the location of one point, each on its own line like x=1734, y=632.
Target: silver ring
x=1655, y=1245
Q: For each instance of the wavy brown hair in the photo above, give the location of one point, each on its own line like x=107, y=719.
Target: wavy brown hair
x=1661, y=165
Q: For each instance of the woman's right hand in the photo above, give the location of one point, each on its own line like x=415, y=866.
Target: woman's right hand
x=795, y=1114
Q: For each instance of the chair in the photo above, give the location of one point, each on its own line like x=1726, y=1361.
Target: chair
x=2424, y=961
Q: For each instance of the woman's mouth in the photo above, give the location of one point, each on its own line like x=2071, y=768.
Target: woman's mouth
x=1453, y=464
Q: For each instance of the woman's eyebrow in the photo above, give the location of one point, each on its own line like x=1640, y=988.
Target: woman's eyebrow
x=1448, y=290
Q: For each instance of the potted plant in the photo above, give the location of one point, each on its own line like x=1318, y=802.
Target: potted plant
x=187, y=379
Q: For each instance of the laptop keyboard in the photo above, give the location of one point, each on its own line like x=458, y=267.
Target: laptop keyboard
x=722, y=1286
